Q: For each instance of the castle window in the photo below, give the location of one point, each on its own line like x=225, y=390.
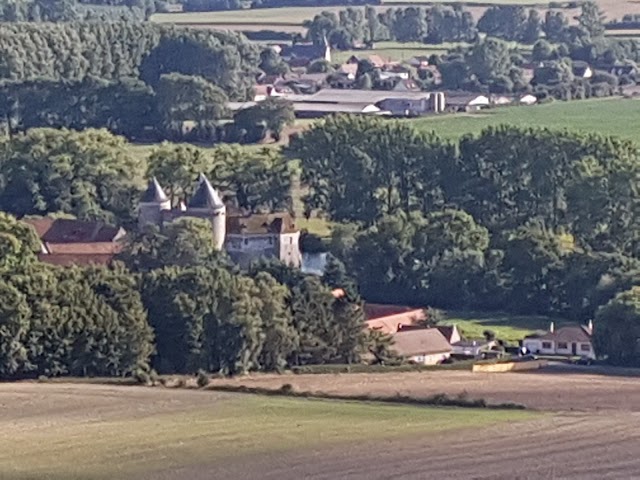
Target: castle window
x=246, y=241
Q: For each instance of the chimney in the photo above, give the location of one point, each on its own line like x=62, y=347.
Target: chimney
x=590, y=327
x=552, y=327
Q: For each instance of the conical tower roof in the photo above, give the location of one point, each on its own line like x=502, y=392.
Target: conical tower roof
x=154, y=193
x=205, y=196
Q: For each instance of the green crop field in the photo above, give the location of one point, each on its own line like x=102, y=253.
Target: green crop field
x=229, y=428
x=510, y=328
x=394, y=51
x=612, y=116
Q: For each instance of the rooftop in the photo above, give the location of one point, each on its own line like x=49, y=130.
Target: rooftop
x=205, y=195
x=64, y=230
x=427, y=341
x=261, y=223
x=154, y=193
x=569, y=334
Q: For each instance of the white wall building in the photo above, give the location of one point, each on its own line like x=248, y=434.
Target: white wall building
x=568, y=341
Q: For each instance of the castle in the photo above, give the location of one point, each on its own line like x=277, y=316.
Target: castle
x=244, y=237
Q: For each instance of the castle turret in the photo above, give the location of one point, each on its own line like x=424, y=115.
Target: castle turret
x=152, y=204
x=206, y=202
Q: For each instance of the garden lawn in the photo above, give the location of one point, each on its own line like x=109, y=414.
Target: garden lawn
x=233, y=427
x=510, y=328
x=611, y=116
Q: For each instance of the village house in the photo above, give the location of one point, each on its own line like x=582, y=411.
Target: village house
x=573, y=340
x=389, y=319
x=245, y=237
x=75, y=242
x=425, y=346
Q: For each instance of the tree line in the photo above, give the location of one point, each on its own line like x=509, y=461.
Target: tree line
x=95, y=175
x=521, y=220
x=145, y=82
x=75, y=10
x=172, y=314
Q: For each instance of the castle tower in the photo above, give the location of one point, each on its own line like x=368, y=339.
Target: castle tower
x=206, y=202
x=153, y=202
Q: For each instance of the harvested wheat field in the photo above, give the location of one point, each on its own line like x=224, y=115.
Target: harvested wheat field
x=82, y=431
x=550, y=389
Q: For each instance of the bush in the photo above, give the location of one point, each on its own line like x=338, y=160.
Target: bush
x=142, y=376
x=203, y=379
x=286, y=388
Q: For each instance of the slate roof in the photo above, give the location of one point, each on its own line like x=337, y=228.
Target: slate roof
x=205, y=196
x=427, y=341
x=154, y=193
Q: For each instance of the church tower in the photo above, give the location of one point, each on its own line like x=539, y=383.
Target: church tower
x=153, y=202
x=206, y=203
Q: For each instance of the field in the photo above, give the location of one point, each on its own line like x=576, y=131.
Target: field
x=394, y=51
x=289, y=19
x=71, y=431
x=613, y=116
x=509, y=328
x=84, y=432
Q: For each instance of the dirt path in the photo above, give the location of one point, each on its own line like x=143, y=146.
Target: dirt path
x=544, y=390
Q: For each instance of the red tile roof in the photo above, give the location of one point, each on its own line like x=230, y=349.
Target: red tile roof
x=391, y=318
x=63, y=230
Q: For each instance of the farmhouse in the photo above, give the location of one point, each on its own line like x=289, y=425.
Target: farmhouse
x=570, y=341
x=76, y=242
x=426, y=346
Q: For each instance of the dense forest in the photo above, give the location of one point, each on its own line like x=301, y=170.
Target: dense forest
x=194, y=312
x=529, y=221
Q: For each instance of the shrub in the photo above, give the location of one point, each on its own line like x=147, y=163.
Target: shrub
x=203, y=379
x=142, y=376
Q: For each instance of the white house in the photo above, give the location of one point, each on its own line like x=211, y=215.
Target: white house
x=425, y=346
x=570, y=341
